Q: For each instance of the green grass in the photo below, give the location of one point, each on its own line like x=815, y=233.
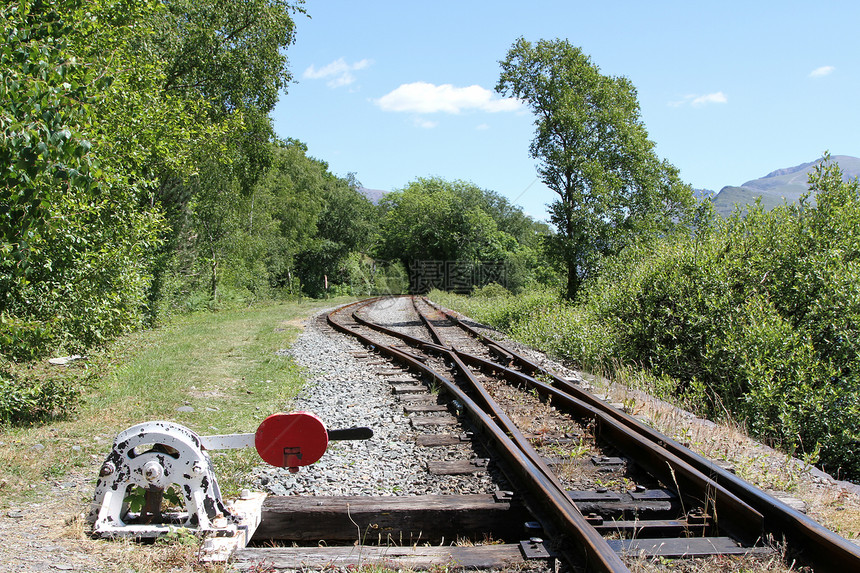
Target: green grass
x=222, y=364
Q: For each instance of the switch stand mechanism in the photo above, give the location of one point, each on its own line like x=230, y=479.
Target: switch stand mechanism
x=153, y=458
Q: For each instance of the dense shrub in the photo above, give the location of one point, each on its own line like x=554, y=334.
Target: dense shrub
x=28, y=398
x=75, y=230
x=756, y=317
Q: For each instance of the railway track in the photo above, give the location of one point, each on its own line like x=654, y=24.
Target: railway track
x=594, y=486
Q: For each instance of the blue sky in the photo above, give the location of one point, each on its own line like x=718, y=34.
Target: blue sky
x=729, y=91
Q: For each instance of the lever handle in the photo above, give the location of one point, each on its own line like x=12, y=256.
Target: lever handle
x=358, y=433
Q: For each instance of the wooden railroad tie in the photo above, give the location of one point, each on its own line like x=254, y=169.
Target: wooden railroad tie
x=391, y=519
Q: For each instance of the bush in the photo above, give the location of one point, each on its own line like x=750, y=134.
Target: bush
x=22, y=339
x=758, y=317
x=74, y=232
x=29, y=399
x=492, y=290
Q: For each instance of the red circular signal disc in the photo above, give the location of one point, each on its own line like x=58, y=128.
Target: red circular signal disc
x=291, y=440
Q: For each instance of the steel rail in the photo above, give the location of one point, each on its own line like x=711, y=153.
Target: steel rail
x=437, y=336
x=597, y=553
x=743, y=521
x=692, y=484
x=489, y=404
x=815, y=544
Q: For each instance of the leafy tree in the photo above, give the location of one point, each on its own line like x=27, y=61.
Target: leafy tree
x=594, y=152
x=438, y=220
x=229, y=60
x=434, y=219
x=228, y=52
x=284, y=209
x=345, y=226
x=115, y=114
x=221, y=66
x=74, y=235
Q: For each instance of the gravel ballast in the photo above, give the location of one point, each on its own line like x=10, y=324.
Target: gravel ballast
x=345, y=391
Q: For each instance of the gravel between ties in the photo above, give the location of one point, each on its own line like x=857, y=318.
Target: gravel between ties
x=345, y=391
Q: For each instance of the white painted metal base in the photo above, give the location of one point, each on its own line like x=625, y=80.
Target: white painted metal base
x=249, y=509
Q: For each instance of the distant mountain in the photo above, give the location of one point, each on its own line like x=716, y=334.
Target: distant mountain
x=373, y=194
x=702, y=194
x=780, y=186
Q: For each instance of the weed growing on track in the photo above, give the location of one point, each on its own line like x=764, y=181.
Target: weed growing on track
x=718, y=564
x=727, y=441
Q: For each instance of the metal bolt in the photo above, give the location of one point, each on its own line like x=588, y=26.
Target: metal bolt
x=219, y=521
x=152, y=470
x=197, y=468
x=107, y=469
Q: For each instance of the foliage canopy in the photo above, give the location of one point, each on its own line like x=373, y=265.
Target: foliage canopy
x=593, y=152
x=131, y=137
x=432, y=219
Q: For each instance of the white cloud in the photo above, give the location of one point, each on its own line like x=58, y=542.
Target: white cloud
x=423, y=97
x=424, y=123
x=822, y=71
x=338, y=73
x=696, y=100
x=718, y=97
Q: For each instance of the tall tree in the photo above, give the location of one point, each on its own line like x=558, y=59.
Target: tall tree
x=229, y=52
x=457, y=223
x=435, y=219
x=344, y=226
x=226, y=61
x=114, y=117
x=593, y=151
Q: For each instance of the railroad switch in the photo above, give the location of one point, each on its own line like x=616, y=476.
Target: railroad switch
x=160, y=456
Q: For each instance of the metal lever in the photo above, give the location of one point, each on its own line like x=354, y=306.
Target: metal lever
x=239, y=441
x=357, y=433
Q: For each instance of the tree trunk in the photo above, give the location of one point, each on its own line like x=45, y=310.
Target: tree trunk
x=573, y=282
x=214, y=285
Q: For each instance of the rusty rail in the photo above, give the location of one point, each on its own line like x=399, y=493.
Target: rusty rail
x=596, y=553
x=815, y=544
x=741, y=509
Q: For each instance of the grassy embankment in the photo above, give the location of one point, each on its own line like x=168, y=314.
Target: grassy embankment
x=222, y=364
